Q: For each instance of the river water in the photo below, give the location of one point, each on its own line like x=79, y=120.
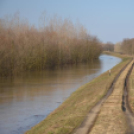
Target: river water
x=26, y=100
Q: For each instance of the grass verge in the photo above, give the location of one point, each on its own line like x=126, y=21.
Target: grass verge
x=111, y=119
x=72, y=112
x=131, y=91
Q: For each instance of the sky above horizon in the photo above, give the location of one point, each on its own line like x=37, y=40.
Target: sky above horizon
x=109, y=20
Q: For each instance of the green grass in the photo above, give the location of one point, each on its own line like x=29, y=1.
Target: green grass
x=70, y=114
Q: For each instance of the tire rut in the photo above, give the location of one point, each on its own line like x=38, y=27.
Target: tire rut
x=125, y=104
x=90, y=119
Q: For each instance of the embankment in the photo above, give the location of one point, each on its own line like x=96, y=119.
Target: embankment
x=74, y=110
x=114, y=113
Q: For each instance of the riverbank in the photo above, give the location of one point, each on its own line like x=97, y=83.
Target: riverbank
x=73, y=111
x=114, y=116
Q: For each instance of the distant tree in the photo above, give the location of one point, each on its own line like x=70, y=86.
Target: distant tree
x=108, y=46
x=128, y=46
x=117, y=47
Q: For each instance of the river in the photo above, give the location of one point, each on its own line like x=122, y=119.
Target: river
x=26, y=100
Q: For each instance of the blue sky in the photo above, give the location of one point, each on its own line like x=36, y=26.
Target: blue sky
x=109, y=20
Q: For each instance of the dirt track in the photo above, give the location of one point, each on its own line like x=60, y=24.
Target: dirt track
x=112, y=114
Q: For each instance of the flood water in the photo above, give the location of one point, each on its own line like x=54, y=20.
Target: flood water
x=26, y=100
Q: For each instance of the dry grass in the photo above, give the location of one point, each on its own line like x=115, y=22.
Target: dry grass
x=73, y=111
x=111, y=119
x=131, y=90
x=116, y=54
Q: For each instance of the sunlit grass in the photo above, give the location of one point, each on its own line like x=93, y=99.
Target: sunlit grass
x=111, y=118
x=72, y=112
x=131, y=90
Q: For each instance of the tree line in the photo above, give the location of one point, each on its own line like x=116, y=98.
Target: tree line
x=108, y=46
x=23, y=47
x=126, y=46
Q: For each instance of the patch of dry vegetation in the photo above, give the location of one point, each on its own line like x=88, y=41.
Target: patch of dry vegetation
x=111, y=119
x=131, y=90
x=126, y=46
x=56, y=42
x=74, y=110
x=116, y=54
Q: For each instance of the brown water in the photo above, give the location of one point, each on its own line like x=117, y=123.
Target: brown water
x=28, y=99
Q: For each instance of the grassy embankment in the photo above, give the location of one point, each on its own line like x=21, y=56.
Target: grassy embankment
x=131, y=91
x=111, y=119
x=72, y=112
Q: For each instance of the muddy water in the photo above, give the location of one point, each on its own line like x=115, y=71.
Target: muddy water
x=28, y=99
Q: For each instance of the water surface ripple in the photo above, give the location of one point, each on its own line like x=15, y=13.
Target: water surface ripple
x=28, y=99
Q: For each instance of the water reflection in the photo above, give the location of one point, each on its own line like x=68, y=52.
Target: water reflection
x=26, y=100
